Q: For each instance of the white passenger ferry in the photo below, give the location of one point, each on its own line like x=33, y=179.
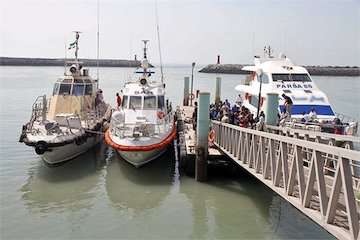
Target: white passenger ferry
x=67, y=124
x=281, y=76
x=144, y=126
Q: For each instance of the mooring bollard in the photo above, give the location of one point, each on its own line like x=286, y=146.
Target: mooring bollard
x=186, y=91
x=218, y=90
x=202, y=132
x=271, y=108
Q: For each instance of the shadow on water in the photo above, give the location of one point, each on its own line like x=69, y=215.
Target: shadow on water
x=70, y=186
x=139, y=188
x=233, y=204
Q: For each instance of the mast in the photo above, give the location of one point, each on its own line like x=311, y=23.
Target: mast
x=158, y=36
x=144, y=63
x=98, y=41
x=76, y=43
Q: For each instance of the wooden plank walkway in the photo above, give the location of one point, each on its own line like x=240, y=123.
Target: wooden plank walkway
x=318, y=179
x=190, y=134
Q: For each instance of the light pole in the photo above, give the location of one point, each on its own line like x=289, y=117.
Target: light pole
x=192, y=96
x=259, y=74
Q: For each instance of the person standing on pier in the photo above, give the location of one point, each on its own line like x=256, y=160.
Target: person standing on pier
x=288, y=104
x=118, y=100
x=194, y=116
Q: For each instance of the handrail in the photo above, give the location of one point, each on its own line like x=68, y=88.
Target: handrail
x=320, y=180
x=337, y=137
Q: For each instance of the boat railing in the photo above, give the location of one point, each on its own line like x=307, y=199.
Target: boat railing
x=344, y=127
x=121, y=129
x=39, y=110
x=345, y=118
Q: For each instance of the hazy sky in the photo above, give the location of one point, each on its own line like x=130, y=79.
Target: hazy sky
x=309, y=31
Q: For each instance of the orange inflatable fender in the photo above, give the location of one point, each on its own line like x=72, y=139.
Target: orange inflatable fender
x=146, y=148
x=160, y=115
x=211, y=137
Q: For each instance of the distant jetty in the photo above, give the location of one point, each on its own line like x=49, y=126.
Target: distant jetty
x=313, y=70
x=11, y=61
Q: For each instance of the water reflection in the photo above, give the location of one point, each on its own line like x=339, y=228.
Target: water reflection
x=237, y=205
x=69, y=187
x=139, y=188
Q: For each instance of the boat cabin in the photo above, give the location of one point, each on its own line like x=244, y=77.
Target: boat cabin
x=73, y=94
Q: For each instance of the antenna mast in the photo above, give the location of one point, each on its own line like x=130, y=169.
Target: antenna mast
x=158, y=36
x=98, y=40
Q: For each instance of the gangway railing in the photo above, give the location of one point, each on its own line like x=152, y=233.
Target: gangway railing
x=346, y=141
x=296, y=170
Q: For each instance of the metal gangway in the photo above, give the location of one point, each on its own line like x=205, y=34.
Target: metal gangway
x=320, y=179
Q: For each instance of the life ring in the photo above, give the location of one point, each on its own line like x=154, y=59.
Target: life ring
x=160, y=115
x=211, y=136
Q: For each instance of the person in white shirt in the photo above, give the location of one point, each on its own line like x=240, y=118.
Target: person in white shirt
x=239, y=100
x=312, y=114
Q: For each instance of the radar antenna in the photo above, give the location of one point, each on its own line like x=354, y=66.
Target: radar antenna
x=268, y=51
x=75, y=44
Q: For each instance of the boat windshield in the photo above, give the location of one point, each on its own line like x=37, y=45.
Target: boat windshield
x=125, y=101
x=285, y=77
x=77, y=89
x=161, y=102
x=135, y=102
x=149, y=102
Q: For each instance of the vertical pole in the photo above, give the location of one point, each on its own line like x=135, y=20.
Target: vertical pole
x=271, y=108
x=218, y=90
x=259, y=97
x=186, y=91
x=44, y=108
x=192, y=84
x=203, y=121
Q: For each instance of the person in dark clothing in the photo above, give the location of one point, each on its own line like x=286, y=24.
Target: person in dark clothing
x=118, y=100
x=194, y=116
x=288, y=104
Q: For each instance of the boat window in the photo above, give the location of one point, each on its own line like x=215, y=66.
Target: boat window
x=66, y=80
x=125, y=101
x=264, y=78
x=254, y=101
x=149, y=102
x=135, y=102
x=78, y=81
x=88, y=89
x=56, y=89
x=161, y=102
x=64, y=89
x=78, y=89
x=291, y=77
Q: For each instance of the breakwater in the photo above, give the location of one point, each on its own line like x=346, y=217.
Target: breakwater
x=12, y=61
x=313, y=70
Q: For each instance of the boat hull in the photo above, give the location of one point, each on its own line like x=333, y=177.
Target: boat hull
x=139, y=158
x=57, y=155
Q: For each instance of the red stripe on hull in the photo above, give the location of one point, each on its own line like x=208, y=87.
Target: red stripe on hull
x=146, y=148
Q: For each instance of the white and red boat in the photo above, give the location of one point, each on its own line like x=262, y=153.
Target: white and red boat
x=143, y=127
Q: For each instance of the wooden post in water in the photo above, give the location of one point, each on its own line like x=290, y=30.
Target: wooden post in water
x=218, y=90
x=271, y=108
x=186, y=91
x=202, y=131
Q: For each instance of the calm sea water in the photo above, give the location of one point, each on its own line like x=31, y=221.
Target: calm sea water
x=99, y=196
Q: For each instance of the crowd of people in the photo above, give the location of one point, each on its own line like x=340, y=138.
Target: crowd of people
x=236, y=114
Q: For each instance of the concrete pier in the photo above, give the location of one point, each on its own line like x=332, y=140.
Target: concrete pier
x=202, y=132
x=186, y=91
x=218, y=90
x=271, y=108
